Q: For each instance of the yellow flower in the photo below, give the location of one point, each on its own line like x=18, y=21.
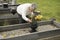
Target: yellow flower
x=38, y=17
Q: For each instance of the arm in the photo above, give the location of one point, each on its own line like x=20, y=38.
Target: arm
x=25, y=18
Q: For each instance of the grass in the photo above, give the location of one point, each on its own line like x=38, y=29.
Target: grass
x=49, y=8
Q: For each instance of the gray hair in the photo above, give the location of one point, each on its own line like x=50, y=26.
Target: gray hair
x=34, y=6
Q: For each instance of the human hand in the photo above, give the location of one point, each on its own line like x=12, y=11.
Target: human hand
x=29, y=21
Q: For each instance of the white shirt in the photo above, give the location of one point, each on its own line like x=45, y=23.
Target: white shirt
x=23, y=10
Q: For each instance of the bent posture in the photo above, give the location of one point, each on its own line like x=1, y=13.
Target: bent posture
x=25, y=10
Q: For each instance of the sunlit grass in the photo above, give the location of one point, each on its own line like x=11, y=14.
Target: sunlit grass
x=49, y=8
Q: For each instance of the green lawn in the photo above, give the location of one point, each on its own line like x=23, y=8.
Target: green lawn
x=49, y=8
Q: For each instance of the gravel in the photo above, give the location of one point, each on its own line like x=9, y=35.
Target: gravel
x=20, y=32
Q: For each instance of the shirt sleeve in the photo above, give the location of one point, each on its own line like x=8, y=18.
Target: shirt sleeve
x=24, y=17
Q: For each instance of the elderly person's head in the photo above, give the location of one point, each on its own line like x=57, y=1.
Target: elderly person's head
x=33, y=7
